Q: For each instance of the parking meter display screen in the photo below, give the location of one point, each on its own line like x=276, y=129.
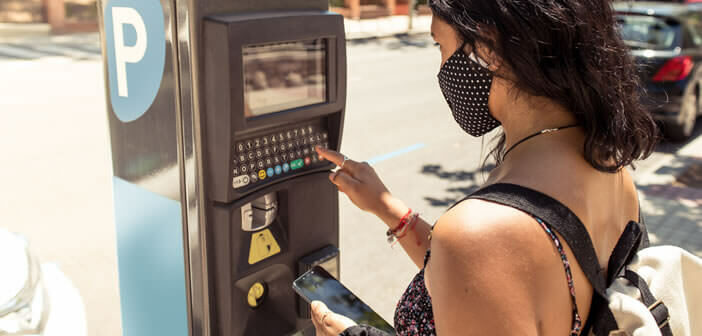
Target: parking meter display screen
x=282, y=76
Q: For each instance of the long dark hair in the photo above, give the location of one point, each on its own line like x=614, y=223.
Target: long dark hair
x=569, y=51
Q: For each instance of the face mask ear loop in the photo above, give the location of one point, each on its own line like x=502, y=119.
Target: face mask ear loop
x=479, y=60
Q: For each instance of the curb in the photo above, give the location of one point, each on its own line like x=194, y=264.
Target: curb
x=10, y=32
x=370, y=37
x=25, y=27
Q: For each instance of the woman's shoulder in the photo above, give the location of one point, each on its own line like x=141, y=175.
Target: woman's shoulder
x=487, y=258
x=474, y=228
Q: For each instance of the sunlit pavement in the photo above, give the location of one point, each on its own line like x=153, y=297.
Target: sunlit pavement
x=672, y=196
x=56, y=164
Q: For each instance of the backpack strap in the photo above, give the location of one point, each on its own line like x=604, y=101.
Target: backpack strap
x=645, y=241
x=656, y=307
x=625, y=250
x=601, y=319
x=556, y=215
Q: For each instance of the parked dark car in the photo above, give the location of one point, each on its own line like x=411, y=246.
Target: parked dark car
x=666, y=40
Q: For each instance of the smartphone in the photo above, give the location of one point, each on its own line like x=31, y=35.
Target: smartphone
x=318, y=285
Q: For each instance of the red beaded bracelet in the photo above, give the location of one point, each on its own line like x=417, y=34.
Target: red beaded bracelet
x=391, y=233
x=412, y=222
x=403, y=222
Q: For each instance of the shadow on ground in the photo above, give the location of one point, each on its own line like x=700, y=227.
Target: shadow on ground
x=672, y=222
x=685, y=169
x=672, y=206
x=469, y=182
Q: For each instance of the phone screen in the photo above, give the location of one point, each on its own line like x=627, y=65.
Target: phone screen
x=318, y=285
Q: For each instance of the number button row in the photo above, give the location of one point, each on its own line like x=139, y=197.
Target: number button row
x=273, y=139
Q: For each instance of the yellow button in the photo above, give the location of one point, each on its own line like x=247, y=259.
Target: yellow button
x=255, y=295
x=261, y=174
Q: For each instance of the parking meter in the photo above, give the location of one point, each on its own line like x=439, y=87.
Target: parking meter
x=270, y=98
x=215, y=108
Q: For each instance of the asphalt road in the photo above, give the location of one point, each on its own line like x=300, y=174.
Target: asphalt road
x=56, y=171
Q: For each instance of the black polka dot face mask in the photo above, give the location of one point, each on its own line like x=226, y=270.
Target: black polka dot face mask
x=465, y=82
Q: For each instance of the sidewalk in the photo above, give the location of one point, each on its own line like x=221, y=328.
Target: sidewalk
x=355, y=30
x=671, y=198
x=386, y=27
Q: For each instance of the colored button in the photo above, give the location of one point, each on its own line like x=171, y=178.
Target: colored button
x=307, y=161
x=297, y=164
x=256, y=295
x=286, y=167
x=240, y=181
x=270, y=172
x=278, y=170
x=261, y=174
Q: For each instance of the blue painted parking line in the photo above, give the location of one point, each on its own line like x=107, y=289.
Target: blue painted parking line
x=391, y=155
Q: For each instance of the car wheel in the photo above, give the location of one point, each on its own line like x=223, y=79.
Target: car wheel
x=681, y=129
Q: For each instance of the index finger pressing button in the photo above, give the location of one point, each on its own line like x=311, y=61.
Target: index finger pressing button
x=334, y=157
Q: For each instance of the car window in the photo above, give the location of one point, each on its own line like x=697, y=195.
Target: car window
x=694, y=22
x=648, y=32
x=695, y=32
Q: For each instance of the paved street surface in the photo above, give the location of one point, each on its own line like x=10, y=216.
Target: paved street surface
x=56, y=164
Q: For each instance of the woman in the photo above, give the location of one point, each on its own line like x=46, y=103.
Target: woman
x=558, y=79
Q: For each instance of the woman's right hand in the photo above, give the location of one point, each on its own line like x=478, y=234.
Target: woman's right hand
x=359, y=181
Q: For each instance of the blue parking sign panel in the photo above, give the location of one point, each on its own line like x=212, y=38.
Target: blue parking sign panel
x=135, y=39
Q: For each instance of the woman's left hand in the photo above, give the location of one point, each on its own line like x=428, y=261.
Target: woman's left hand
x=328, y=323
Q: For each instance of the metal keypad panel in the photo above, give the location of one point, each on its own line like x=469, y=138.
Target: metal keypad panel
x=277, y=154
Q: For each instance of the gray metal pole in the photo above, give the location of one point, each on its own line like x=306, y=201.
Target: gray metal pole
x=410, y=13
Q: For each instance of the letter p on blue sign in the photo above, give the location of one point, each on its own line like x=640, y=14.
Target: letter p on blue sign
x=136, y=54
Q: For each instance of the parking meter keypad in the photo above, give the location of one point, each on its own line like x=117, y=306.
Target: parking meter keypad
x=276, y=154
